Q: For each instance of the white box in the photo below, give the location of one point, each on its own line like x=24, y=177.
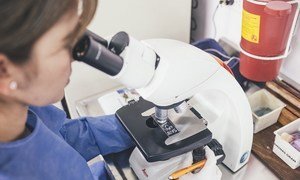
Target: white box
x=264, y=99
x=285, y=150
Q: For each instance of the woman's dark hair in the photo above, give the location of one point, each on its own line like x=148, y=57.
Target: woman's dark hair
x=23, y=22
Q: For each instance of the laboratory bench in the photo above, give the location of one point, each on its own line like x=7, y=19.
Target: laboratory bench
x=260, y=166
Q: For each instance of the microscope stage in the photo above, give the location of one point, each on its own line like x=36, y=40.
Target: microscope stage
x=154, y=143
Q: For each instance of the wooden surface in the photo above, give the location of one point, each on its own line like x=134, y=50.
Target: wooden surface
x=263, y=141
x=284, y=94
x=262, y=148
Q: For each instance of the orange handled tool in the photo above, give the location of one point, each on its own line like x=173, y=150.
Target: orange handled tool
x=188, y=169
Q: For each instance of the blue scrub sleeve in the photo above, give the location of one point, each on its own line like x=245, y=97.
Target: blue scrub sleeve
x=92, y=136
x=98, y=169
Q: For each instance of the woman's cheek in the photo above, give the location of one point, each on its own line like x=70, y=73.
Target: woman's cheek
x=65, y=63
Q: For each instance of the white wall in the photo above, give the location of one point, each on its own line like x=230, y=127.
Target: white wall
x=227, y=20
x=228, y=25
x=290, y=69
x=142, y=19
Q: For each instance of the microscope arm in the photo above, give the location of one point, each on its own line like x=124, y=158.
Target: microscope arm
x=222, y=102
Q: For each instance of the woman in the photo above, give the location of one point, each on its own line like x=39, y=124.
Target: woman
x=37, y=141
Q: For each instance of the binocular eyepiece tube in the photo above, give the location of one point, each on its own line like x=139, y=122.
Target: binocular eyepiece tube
x=91, y=49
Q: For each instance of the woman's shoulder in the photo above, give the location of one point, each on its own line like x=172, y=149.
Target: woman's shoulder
x=50, y=115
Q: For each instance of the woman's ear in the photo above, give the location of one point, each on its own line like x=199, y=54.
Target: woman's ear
x=6, y=82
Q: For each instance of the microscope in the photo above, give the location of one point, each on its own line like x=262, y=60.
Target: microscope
x=186, y=99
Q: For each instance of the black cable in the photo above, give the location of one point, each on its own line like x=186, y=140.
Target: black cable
x=214, y=22
x=195, y=4
x=193, y=24
x=65, y=107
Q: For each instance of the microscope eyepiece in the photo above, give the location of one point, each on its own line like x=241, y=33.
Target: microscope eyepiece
x=81, y=48
x=91, y=49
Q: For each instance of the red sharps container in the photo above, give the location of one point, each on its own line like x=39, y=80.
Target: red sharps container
x=267, y=29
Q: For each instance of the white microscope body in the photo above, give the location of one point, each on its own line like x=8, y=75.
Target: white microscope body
x=167, y=72
x=186, y=72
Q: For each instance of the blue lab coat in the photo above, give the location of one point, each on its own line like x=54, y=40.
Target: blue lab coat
x=59, y=148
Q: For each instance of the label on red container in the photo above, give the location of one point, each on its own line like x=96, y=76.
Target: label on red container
x=250, y=27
